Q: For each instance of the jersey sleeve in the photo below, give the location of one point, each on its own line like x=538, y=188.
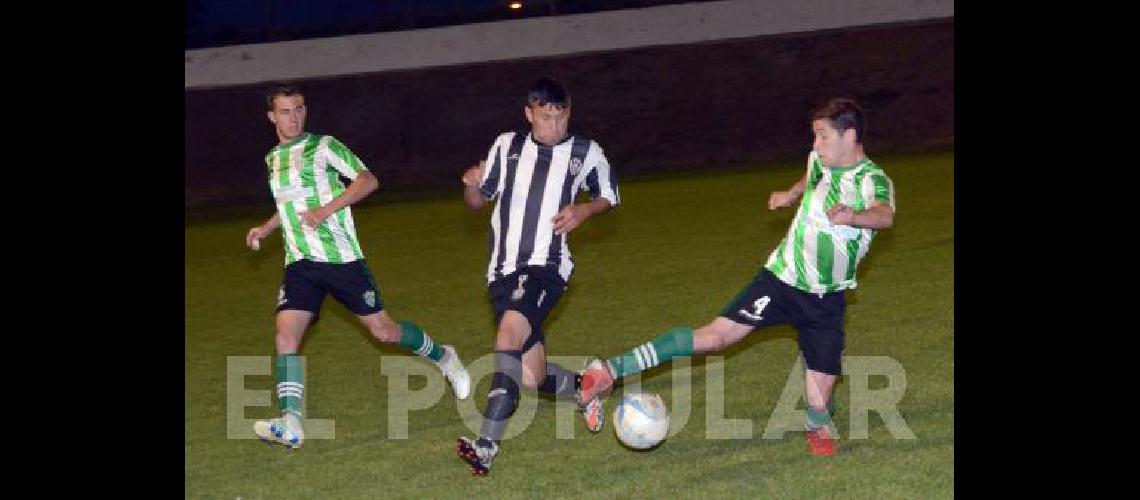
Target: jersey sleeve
x=491, y=184
x=878, y=187
x=600, y=178
x=343, y=159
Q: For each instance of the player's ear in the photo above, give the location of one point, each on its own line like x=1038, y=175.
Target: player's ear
x=529, y=114
x=272, y=117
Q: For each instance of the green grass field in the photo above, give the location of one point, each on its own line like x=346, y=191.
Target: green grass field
x=678, y=249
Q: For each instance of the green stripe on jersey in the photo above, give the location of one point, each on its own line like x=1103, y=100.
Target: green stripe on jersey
x=295, y=234
x=305, y=178
x=813, y=241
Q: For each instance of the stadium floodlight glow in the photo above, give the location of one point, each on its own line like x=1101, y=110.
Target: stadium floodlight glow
x=515, y=5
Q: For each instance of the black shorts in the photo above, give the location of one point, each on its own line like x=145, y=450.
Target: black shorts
x=306, y=283
x=767, y=301
x=533, y=292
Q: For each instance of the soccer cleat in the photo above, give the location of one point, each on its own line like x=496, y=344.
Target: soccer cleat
x=278, y=431
x=820, y=442
x=455, y=373
x=597, y=381
x=594, y=415
x=477, y=453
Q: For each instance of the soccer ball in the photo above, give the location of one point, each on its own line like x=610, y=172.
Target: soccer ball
x=641, y=420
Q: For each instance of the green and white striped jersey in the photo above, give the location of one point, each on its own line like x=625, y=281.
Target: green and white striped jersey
x=817, y=256
x=303, y=175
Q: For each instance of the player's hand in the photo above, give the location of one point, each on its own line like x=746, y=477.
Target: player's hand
x=254, y=236
x=569, y=218
x=473, y=175
x=841, y=214
x=314, y=218
x=780, y=199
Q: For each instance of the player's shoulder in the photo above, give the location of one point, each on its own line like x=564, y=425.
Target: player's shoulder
x=872, y=168
x=325, y=139
x=508, y=136
x=591, y=145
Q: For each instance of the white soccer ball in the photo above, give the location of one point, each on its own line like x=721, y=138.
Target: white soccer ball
x=641, y=420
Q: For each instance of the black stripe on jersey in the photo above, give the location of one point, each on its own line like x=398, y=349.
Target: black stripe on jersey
x=592, y=185
x=578, y=150
x=488, y=188
x=505, y=201
x=534, y=199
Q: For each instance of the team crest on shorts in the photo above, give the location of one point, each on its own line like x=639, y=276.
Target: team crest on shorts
x=370, y=298
x=518, y=293
x=575, y=166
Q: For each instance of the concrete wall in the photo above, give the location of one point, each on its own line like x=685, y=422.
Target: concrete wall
x=543, y=37
x=652, y=109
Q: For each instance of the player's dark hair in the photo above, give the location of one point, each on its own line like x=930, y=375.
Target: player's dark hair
x=547, y=91
x=842, y=114
x=281, y=89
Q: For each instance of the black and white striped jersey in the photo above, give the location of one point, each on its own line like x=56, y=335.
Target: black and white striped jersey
x=533, y=182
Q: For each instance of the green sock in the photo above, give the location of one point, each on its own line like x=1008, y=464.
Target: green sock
x=816, y=419
x=675, y=342
x=417, y=341
x=290, y=383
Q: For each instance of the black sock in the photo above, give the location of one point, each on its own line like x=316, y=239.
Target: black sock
x=560, y=382
x=504, y=395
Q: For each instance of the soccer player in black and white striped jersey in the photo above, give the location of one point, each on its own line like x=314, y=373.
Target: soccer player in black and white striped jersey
x=535, y=177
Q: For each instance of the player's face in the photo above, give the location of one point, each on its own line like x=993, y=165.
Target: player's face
x=548, y=124
x=834, y=149
x=288, y=116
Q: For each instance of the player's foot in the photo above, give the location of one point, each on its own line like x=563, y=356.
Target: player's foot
x=597, y=381
x=478, y=453
x=280, y=431
x=594, y=415
x=820, y=442
x=455, y=373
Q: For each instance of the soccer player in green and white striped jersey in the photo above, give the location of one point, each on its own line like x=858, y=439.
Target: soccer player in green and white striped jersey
x=844, y=199
x=323, y=256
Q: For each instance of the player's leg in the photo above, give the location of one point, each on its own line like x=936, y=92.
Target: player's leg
x=298, y=304
x=756, y=306
x=539, y=373
x=534, y=366
x=556, y=380
x=521, y=301
x=821, y=340
x=502, y=399
x=410, y=336
x=599, y=376
x=352, y=284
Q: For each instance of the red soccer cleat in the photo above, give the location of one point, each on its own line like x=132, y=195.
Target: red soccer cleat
x=596, y=381
x=820, y=442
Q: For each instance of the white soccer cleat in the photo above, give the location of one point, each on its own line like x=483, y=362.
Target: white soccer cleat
x=279, y=431
x=455, y=373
